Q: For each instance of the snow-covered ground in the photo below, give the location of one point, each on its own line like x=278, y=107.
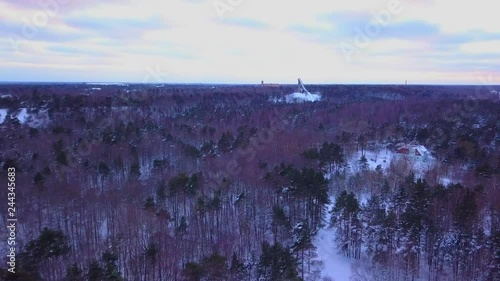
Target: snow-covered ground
x=33, y=120
x=3, y=114
x=335, y=266
x=23, y=115
x=446, y=181
x=298, y=97
x=302, y=97
x=384, y=158
x=375, y=158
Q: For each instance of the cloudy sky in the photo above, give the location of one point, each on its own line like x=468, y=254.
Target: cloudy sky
x=246, y=41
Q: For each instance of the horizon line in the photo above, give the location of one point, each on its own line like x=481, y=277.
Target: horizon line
x=113, y=83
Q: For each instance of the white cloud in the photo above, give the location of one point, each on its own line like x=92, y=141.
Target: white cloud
x=194, y=44
x=484, y=47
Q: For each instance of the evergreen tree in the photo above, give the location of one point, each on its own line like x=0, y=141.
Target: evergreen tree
x=374, y=217
x=363, y=163
x=74, y=273
x=135, y=170
x=192, y=272
x=49, y=245
x=151, y=253
x=331, y=156
x=310, y=185
x=280, y=224
x=302, y=244
x=182, y=228
x=225, y=143
x=237, y=269
x=276, y=263
x=111, y=272
x=95, y=271
x=215, y=267
x=345, y=218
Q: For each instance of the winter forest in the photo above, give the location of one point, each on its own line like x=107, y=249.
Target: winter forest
x=245, y=182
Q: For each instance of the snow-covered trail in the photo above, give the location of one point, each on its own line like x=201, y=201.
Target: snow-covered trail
x=334, y=265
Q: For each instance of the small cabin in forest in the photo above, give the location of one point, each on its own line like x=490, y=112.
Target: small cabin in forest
x=413, y=151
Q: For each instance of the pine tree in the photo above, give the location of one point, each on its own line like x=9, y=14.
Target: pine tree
x=345, y=218
x=280, y=224
x=374, y=217
x=111, y=272
x=192, y=272
x=51, y=244
x=215, y=267
x=363, y=163
x=276, y=263
x=302, y=245
x=95, y=271
x=226, y=141
x=74, y=273
x=182, y=228
x=237, y=269
x=332, y=156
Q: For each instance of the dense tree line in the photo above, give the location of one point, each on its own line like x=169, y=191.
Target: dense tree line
x=421, y=231
x=193, y=183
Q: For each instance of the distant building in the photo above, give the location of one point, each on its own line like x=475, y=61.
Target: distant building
x=268, y=84
x=413, y=151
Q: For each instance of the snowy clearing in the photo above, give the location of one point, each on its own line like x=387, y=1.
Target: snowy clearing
x=3, y=114
x=375, y=158
x=384, y=158
x=24, y=116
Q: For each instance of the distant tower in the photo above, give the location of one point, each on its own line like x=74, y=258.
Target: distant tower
x=406, y=82
x=302, y=88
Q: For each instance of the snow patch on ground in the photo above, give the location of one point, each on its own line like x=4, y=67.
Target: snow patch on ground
x=445, y=181
x=297, y=97
x=23, y=115
x=3, y=114
x=302, y=97
x=450, y=178
x=363, y=198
